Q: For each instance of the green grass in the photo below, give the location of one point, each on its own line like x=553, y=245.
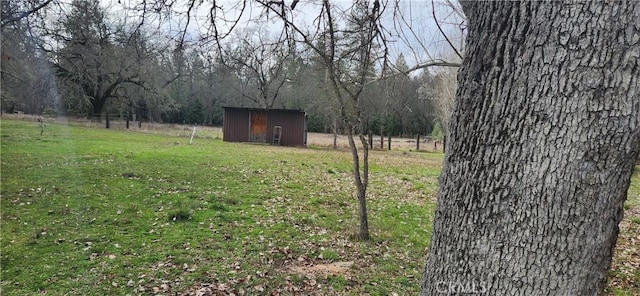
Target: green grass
x=90, y=211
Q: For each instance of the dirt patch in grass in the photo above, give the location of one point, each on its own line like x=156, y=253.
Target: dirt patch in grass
x=304, y=278
x=334, y=268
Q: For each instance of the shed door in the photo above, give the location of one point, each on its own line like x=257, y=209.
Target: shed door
x=258, y=127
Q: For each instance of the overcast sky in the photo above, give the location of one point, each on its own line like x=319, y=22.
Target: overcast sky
x=414, y=30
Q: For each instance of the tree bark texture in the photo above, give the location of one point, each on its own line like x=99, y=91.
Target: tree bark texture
x=541, y=147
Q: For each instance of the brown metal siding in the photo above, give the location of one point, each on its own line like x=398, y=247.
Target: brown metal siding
x=292, y=124
x=235, y=126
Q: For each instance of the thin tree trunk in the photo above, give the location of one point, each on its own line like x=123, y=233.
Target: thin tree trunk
x=107, y=122
x=42, y=125
x=541, y=148
x=361, y=179
x=334, y=130
x=381, y=138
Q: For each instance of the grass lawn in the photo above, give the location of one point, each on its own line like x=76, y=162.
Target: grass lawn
x=88, y=211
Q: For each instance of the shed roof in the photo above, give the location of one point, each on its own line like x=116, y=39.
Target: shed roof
x=263, y=109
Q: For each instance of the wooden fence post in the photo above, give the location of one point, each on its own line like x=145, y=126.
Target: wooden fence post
x=193, y=133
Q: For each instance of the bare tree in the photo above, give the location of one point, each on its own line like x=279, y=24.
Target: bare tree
x=27, y=81
x=444, y=97
x=260, y=64
x=88, y=60
x=348, y=54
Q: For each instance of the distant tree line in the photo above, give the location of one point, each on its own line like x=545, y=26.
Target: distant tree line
x=83, y=61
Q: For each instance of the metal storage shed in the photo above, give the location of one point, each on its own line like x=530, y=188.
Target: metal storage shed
x=275, y=126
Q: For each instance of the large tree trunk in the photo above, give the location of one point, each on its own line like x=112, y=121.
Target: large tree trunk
x=97, y=106
x=541, y=148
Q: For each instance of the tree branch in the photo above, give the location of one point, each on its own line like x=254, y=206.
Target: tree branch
x=436, y=63
x=433, y=12
x=24, y=14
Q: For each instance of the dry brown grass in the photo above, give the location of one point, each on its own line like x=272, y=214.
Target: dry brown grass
x=209, y=132
x=179, y=130
x=326, y=140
